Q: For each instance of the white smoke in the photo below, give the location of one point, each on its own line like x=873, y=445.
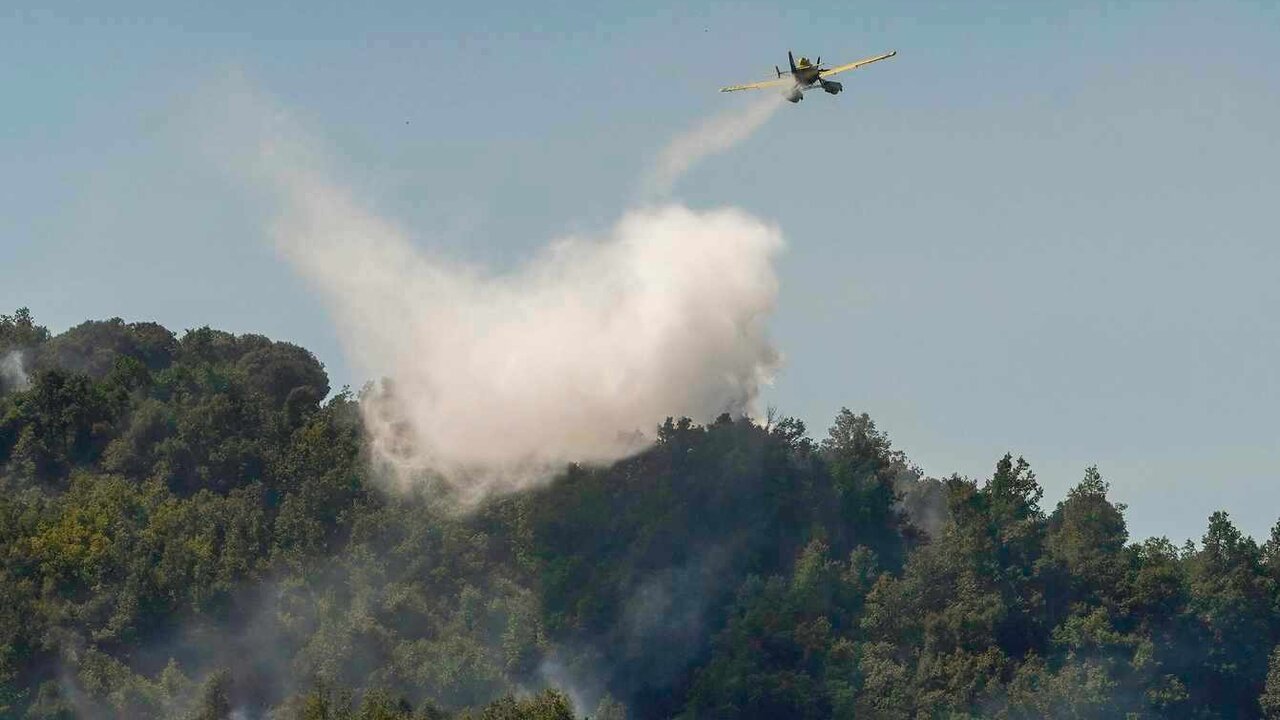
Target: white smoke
x=497, y=381
x=13, y=376
x=924, y=500
x=712, y=136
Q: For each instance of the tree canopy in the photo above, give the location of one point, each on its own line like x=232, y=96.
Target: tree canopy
x=190, y=528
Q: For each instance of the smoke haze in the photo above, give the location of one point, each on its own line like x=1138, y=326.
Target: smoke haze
x=497, y=381
x=13, y=376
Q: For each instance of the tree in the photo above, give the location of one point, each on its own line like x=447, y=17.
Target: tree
x=1269, y=701
x=1086, y=537
x=18, y=331
x=213, y=702
x=1232, y=598
x=547, y=705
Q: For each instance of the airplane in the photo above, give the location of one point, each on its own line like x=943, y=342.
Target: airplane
x=804, y=75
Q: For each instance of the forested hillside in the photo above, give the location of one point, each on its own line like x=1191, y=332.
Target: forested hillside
x=189, y=529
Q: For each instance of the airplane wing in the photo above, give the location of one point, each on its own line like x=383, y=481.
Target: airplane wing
x=763, y=84
x=857, y=64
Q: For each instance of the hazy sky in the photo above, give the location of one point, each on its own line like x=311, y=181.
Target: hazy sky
x=1045, y=228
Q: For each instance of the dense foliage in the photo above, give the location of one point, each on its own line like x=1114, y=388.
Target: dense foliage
x=189, y=529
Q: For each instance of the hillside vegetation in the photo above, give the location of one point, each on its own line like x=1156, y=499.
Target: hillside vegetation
x=189, y=528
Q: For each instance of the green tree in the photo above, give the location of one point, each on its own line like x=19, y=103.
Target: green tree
x=213, y=702
x=1269, y=701
x=547, y=705
x=19, y=331
x=1232, y=598
x=1087, y=536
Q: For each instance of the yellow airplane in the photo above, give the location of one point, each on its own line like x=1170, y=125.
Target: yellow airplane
x=804, y=75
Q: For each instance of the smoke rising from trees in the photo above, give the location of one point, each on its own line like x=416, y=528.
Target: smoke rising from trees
x=13, y=376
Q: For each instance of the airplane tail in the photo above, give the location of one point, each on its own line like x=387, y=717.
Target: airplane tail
x=791, y=59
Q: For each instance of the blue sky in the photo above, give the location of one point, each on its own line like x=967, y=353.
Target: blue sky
x=1045, y=228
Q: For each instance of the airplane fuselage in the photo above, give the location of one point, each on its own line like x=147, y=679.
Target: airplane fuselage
x=805, y=77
